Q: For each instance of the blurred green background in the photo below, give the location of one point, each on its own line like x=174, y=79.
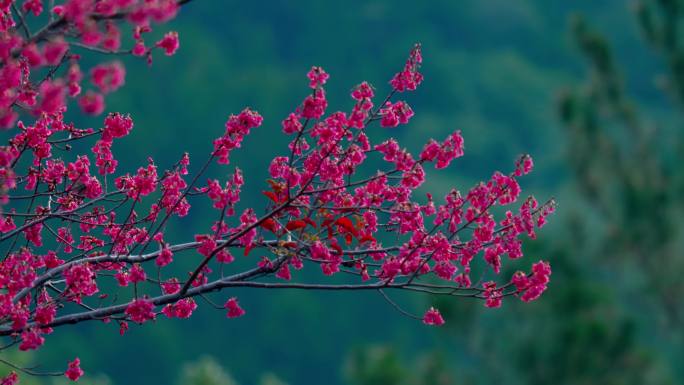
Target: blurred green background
x=593, y=90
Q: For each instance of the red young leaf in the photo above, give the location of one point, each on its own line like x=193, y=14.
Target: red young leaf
x=270, y=225
x=295, y=225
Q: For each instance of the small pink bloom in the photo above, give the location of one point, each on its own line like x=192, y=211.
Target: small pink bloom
x=10, y=379
x=363, y=91
x=53, y=51
x=34, y=6
x=31, y=339
x=180, y=309
x=139, y=48
x=140, y=311
x=169, y=43
x=116, y=126
x=433, y=317
x=284, y=272
x=492, y=295
x=92, y=103
x=74, y=371
x=171, y=286
x=165, y=257
x=234, y=309
x=317, y=77
x=409, y=78
x=291, y=124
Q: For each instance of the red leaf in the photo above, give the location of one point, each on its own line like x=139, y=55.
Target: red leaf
x=336, y=247
x=295, y=225
x=275, y=185
x=271, y=195
x=270, y=225
x=367, y=238
x=345, y=223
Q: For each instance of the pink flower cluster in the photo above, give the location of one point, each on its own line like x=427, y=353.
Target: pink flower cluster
x=180, y=309
x=237, y=128
x=433, y=317
x=234, y=309
x=531, y=287
x=409, y=79
x=78, y=25
x=443, y=153
x=228, y=196
x=74, y=372
x=140, y=311
x=395, y=114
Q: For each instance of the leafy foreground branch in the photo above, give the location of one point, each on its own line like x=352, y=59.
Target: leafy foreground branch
x=81, y=247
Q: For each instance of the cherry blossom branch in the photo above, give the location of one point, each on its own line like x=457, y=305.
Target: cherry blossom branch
x=77, y=236
x=236, y=281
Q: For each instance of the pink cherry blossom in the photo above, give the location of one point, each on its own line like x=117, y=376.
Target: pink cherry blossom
x=433, y=317
x=140, y=311
x=317, y=77
x=409, y=78
x=234, y=309
x=92, y=103
x=10, y=379
x=180, y=309
x=74, y=371
x=31, y=339
x=169, y=43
